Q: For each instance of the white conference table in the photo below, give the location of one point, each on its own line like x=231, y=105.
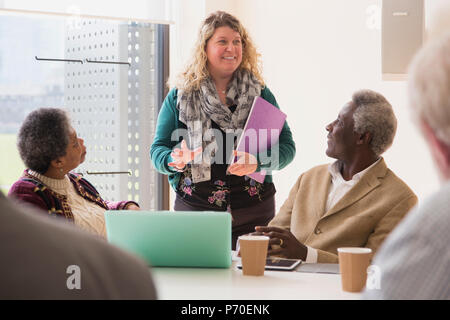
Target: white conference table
x=230, y=284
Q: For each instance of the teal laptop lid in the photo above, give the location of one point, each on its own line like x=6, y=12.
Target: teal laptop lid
x=173, y=239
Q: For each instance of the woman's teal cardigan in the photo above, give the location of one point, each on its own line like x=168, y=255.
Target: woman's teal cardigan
x=168, y=123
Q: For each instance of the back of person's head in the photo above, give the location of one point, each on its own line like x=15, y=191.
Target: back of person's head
x=196, y=70
x=47, y=259
x=374, y=114
x=43, y=137
x=429, y=86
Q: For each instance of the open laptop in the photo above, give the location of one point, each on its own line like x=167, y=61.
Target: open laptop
x=173, y=239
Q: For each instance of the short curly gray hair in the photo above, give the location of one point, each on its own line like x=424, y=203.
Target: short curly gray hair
x=43, y=137
x=374, y=114
x=429, y=86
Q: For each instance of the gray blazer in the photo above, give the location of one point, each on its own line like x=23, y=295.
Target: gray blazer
x=46, y=259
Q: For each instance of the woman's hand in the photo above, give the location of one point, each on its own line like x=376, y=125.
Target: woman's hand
x=181, y=157
x=288, y=245
x=245, y=164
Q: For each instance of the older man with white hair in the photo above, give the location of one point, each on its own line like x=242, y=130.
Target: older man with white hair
x=414, y=263
x=355, y=201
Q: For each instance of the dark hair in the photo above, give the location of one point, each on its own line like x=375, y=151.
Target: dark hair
x=43, y=137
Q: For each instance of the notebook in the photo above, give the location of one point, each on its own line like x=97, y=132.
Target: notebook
x=173, y=239
x=261, y=131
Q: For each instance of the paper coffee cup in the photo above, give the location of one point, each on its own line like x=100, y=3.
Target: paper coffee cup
x=253, y=254
x=353, y=264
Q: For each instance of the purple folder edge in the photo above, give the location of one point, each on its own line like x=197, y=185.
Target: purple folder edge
x=261, y=175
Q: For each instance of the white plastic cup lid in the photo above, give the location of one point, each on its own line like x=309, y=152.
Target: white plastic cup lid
x=249, y=237
x=354, y=250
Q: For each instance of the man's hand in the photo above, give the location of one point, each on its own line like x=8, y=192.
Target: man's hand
x=289, y=246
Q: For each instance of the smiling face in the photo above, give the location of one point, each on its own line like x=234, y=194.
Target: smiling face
x=342, y=139
x=224, y=52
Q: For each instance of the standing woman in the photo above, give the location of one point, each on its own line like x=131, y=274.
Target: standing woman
x=214, y=95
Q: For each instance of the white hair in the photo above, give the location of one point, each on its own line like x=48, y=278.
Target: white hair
x=429, y=86
x=374, y=114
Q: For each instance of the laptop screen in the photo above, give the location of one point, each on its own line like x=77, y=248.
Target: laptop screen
x=175, y=239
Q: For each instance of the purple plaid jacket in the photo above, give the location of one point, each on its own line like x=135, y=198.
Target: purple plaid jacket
x=31, y=190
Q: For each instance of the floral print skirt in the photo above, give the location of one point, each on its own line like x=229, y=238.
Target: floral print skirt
x=223, y=192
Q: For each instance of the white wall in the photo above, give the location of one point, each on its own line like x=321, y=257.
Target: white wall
x=438, y=17
x=230, y=6
x=188, y=15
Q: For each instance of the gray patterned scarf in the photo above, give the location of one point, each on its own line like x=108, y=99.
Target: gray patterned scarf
x=199, y=107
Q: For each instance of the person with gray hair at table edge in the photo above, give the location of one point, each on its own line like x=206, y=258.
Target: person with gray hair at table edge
x=47, y=259
x=355, y=201
x=414, y=262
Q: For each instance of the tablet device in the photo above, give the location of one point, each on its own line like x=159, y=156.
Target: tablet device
x=279, y=264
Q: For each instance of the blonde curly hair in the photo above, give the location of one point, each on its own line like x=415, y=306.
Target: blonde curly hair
x=196, y=70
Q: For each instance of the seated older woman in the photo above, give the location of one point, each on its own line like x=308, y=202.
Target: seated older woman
x=50, y=148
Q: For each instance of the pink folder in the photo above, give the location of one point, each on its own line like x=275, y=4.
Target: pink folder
x=261, y=131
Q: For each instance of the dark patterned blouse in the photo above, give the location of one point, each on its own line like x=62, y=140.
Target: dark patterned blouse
x=224, y=192
x=33, y=191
